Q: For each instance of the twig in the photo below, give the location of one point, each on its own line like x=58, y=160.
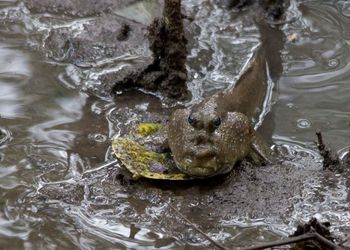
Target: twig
x=304, y=237
x=214, y=242
x=330, y=161
x=320, y=145
x=329, y=243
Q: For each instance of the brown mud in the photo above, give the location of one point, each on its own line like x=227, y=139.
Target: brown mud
x=248, y=195
x=158, y=52
x=273, y=8
x=79, y=8
x=105, y=37
x=167, y=40
x=248, y=191
x=271, y=185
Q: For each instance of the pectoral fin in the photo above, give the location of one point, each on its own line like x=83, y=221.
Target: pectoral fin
x=261, y=152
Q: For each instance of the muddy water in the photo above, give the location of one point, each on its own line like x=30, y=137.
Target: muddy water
x=54, y=193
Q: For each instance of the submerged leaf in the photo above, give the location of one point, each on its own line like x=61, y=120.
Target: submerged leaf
x=142, y=162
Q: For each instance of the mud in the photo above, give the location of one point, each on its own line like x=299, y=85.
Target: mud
x=158, y=51
x=104, y=38
x=276, y=190
x=56, y=195
x=167, y=40
x=273, y=8
x=273, y=185
x=168, y=44
x=79, y=8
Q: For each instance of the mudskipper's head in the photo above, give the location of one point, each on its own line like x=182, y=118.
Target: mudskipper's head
x=205, y=142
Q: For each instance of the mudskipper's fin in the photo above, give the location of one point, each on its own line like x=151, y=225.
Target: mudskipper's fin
x=261, y=152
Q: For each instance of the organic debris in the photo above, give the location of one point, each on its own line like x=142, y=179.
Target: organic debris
x=330, y=160
x=310, y=236
x=313, y=226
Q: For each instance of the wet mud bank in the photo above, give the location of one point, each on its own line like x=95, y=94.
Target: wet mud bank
x=155, y=45
x=99, y=42
x=79, y=8
x=274, y=192
x=167, y=73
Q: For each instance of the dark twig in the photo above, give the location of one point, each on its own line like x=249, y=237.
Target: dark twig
x=330, y=161
x=320, y=143
x=326, y=242
x=291, y=240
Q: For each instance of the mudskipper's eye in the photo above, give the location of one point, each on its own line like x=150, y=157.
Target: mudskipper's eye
x=190, y=120
x=217, y=122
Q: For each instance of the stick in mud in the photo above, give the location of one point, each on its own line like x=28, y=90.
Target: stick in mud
x=167, y=73
x=330, y=161
x=168, y=44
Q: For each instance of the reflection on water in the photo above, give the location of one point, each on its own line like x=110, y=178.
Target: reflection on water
x=15, y=71
x=54, y=193
x=317, y=67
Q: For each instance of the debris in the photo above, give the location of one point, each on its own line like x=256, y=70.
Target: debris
x=330, y=161
x=310, y=236
x=313, y=226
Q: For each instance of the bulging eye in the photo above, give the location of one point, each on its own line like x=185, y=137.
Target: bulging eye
x=217, y=122
x=190, y=120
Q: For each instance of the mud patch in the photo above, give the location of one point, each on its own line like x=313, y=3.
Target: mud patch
x=127, y=53
x=107, y=50
x=250, y=192
x=313, y=226
x=101, y=38
x=80, y=8
x=167, y=40
x=273, y=8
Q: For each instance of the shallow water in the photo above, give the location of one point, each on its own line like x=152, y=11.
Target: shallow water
x=53, y=195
